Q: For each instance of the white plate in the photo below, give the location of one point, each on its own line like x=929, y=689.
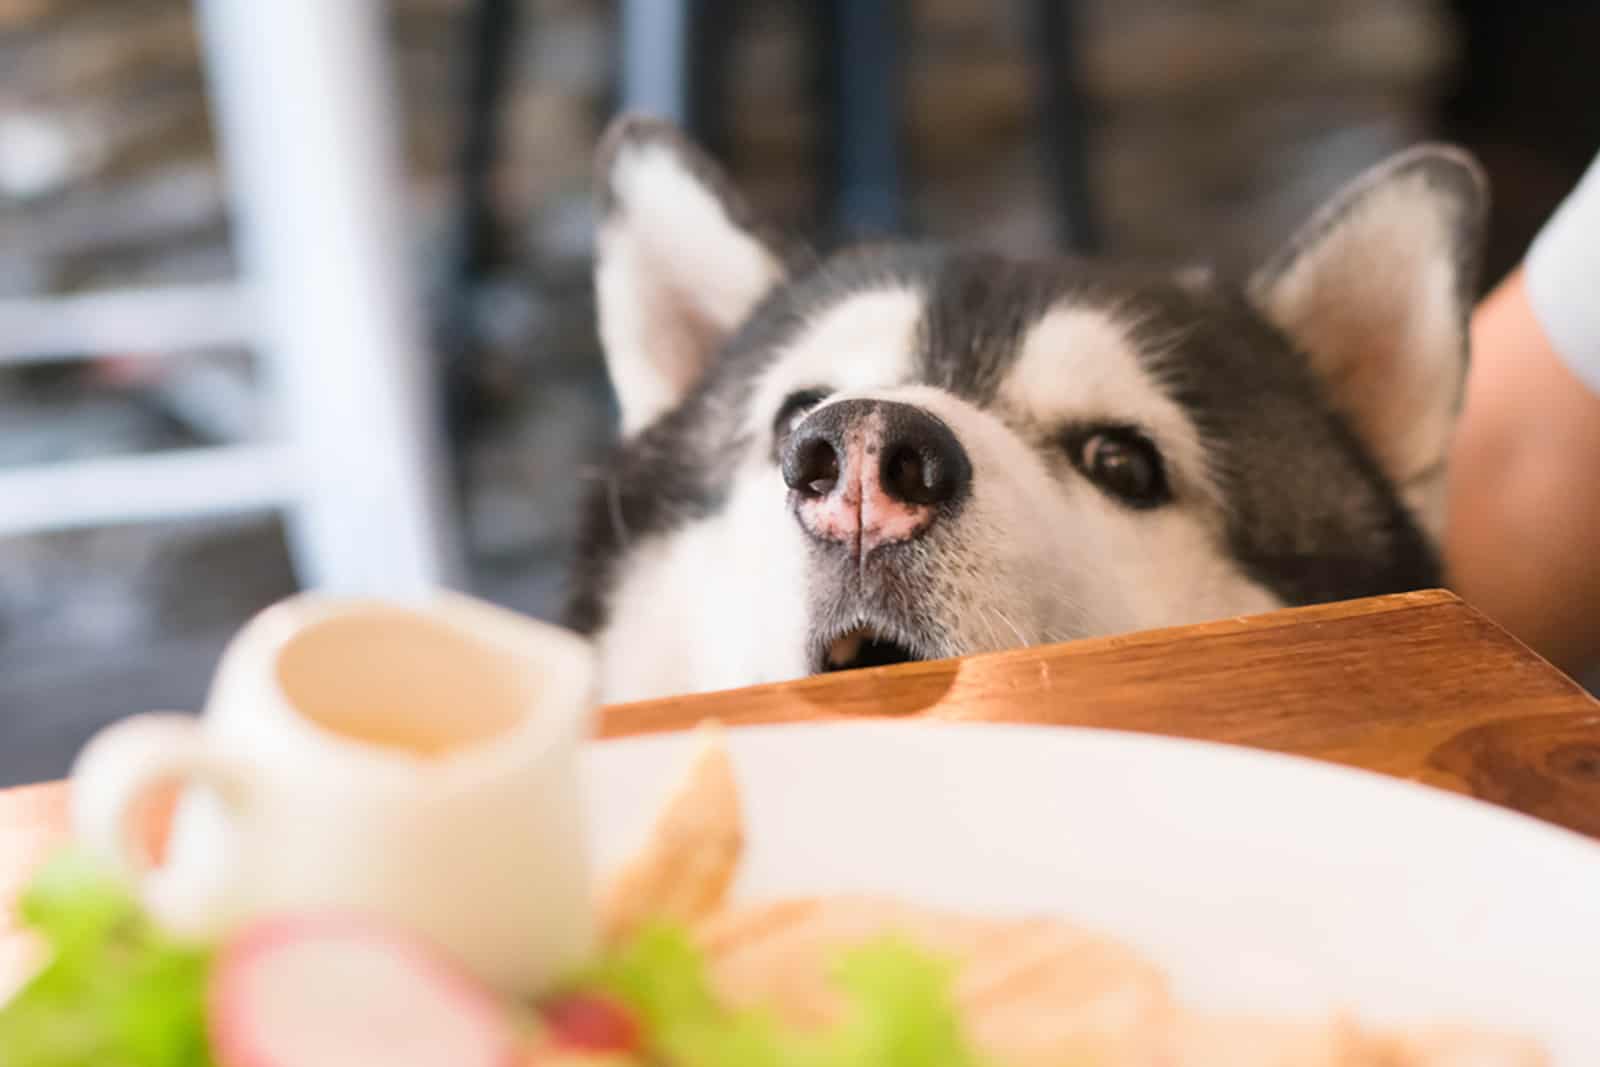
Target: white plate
x=1259, y=881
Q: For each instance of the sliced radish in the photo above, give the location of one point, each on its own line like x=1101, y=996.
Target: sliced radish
x=589, y=1022
x=336, y=992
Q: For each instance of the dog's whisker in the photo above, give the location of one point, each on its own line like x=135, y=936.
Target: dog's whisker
x=988, y=614
x=1015, y=629
x=614, y=504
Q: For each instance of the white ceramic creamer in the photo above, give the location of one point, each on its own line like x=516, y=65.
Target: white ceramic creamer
x=413, y=763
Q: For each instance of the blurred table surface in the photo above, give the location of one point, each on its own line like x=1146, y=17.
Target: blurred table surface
x=1417, y=685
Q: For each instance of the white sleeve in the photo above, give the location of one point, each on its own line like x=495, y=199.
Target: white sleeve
x=1562, y=274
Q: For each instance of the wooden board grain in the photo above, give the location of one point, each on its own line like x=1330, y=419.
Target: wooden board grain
x=1418, y=685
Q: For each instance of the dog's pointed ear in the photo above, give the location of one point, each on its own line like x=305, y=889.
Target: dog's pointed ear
x=679, y=264
x=1376, y=289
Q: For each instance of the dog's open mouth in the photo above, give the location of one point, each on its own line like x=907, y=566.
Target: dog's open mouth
x=864, y=647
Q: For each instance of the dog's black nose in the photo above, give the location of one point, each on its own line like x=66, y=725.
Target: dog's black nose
x=873, y=471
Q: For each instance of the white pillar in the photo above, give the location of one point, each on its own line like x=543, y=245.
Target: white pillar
x=303, y=102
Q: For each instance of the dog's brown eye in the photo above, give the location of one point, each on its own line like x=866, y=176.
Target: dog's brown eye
x=1125, y=464
x=794, y=408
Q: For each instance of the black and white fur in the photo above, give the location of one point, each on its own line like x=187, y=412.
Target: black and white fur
x=1286, y=433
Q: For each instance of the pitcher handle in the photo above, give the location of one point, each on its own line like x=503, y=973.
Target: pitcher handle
x=121, y=767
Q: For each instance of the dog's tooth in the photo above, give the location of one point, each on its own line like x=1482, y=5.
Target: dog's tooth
x=845, y=649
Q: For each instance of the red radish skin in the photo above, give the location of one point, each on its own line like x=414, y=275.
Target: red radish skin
x=589, y=1022
x=340, y=992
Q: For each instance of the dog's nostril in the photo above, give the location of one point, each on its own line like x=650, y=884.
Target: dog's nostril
x=923, y=464
x=811, y=468
x=908, y=477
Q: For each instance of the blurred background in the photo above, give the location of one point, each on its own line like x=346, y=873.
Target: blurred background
x=155, y=417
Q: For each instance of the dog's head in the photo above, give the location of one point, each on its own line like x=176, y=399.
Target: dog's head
x=900, y=451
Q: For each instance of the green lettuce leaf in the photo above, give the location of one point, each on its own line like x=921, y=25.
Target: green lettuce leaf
x=900, y=1011
x=115, y=991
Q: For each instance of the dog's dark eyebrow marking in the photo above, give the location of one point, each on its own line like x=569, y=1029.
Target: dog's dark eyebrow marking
x=979, y=310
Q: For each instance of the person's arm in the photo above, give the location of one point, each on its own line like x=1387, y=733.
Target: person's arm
x=1523, y=538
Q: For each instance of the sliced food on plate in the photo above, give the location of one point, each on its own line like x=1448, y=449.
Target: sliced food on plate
x=685, y=975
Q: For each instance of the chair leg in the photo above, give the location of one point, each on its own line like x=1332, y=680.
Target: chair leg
x=712, y=27
x=301, y=94
x=859, y=82
x=475, y=250
x=674, y=64
x=1062, y=120
x=655, y=58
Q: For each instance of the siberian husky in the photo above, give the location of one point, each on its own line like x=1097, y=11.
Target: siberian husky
x=903, y=451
